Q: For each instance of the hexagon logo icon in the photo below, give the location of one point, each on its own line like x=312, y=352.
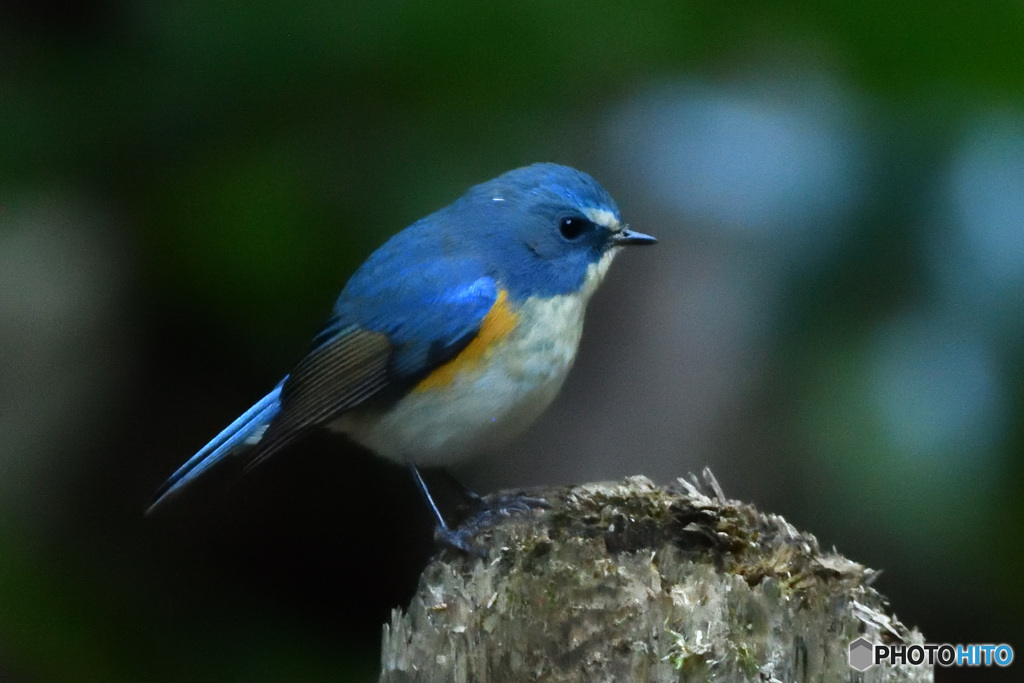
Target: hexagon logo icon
x=861, y=654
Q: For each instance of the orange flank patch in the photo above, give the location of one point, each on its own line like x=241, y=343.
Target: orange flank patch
x=497, y=324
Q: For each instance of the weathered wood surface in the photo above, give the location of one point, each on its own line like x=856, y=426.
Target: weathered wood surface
x=631, y=582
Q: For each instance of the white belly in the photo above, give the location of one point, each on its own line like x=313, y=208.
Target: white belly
x=486, y=405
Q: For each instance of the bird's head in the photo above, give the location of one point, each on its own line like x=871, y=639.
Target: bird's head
x=547, y=229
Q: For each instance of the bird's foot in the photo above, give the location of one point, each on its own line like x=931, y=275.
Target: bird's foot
x=489, y=511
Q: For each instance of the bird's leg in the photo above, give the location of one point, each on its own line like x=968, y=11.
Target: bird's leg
x=486, y=512
x=441, y=524
x=457, y=538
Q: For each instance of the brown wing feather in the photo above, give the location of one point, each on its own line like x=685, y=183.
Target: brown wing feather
x=326, y=383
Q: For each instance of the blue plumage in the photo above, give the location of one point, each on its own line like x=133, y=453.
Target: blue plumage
x=524, y=251
x=246, y=426
x=432, y=308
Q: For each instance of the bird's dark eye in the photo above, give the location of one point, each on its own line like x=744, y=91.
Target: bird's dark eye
x=571, y=228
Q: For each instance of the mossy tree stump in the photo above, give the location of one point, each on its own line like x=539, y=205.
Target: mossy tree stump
x=632, y=582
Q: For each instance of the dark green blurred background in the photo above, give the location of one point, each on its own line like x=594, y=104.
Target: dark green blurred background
x=833, y=319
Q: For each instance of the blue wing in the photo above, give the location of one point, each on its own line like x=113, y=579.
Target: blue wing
x=385, y=334
x=429, y=311
x=388, y=330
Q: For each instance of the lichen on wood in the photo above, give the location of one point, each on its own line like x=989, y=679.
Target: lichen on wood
x=633, y=582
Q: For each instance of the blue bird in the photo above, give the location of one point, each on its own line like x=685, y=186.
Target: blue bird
x=453, y=336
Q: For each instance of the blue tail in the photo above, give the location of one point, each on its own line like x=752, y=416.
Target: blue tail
x=246, y=429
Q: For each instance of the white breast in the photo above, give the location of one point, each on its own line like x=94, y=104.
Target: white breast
x=485, y=406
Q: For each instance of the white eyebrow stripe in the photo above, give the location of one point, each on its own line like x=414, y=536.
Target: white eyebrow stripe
x=603, y=217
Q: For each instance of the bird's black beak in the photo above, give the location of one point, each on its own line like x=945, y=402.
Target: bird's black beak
x=627, y=236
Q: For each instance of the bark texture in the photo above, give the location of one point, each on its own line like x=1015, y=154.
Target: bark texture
x=631, y=582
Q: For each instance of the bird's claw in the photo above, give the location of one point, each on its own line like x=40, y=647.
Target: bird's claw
x=491, y=510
